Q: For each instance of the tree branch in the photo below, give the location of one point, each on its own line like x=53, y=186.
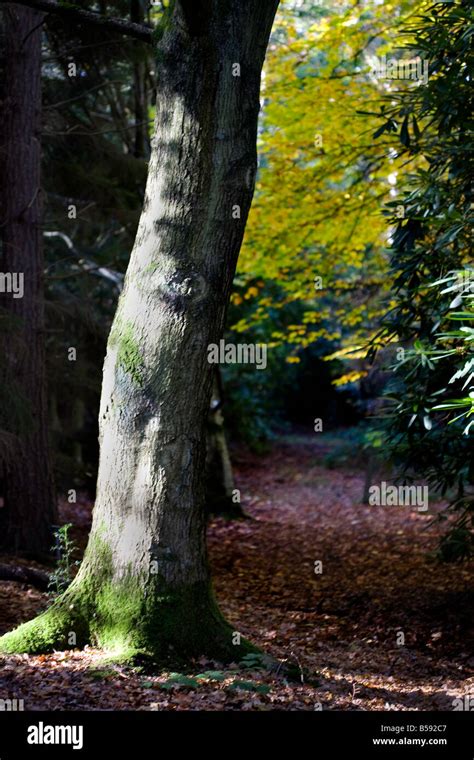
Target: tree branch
x=197, y=15
x=29, y=575
x=129, y=28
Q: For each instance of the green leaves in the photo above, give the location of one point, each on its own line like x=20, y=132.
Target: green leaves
x=227, y=680
x=260, y=688
x=431, y=257
x=389, y=126
x=256, y=661
x=177, y=680
x=404, y=136
x=63, y=549
x=212, y=675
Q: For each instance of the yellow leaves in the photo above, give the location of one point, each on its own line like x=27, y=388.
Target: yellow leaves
x=241, y=326
x=350, y=21
x=251, y=293
x=312, y=213
x=350, y=377
x=348, y=352
x=293, y=360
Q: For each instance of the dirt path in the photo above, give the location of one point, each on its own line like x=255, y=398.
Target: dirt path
x=343, y=628
x=377, y=580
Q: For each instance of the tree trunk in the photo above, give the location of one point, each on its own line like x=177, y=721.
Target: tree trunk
x=77, y=422
x=144, y=584
x=141, y=143
x=220, y=487
x=30, y=506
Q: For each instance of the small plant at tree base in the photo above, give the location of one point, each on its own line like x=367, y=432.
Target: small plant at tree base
x=63, y=547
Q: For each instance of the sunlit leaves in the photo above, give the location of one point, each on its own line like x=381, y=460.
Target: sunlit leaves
x=323, y=179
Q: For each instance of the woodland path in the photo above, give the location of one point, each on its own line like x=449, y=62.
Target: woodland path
x=340, y=627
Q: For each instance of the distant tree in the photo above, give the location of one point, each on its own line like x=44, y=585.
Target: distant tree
x=29, y=500
x=94, y=183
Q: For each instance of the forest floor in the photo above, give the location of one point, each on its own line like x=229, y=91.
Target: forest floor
x=384, y=626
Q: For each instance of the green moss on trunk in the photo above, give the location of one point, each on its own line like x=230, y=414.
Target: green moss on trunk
x=63, y=626
x=129, y=357
x=129, y=621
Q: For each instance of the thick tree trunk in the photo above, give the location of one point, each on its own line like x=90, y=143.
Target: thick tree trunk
x=30, y=507
x=144, y=584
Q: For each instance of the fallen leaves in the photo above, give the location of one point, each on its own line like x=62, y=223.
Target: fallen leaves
x=337, y=629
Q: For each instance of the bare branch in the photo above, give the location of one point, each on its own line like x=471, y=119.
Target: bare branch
x=121, y=26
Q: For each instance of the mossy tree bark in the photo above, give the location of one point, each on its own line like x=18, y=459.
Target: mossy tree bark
x=144, y=583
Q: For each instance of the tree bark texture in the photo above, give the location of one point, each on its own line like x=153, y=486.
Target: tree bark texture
x=30, y=507
x=144, y=585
